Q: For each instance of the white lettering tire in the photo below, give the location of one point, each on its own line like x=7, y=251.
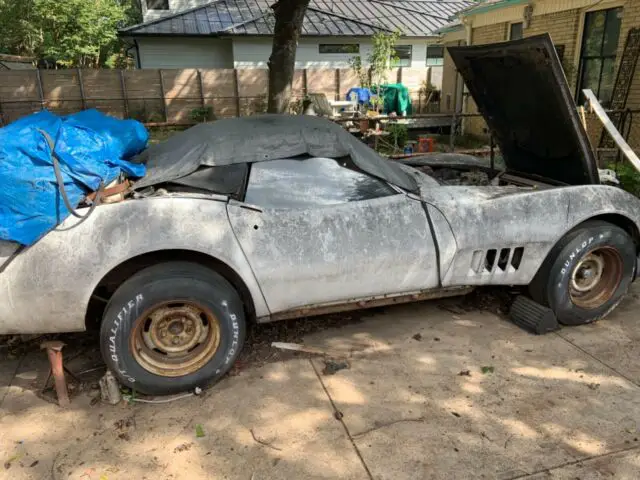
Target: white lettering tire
x=586, y=275
x=172, y=327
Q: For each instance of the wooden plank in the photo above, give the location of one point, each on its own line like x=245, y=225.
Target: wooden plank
x=163, y=95
x=594, y=104
x=82, y=94
x=40, y=89
x=305, y=83
x=236, y=91
x=125, y=99
x=201, y=88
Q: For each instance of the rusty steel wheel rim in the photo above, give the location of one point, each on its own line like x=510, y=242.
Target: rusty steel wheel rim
x=595, y=279
x=175, y=338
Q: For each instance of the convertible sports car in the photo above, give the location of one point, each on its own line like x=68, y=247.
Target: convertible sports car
x=274, y=217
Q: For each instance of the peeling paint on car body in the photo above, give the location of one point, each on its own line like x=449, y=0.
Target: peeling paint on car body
x=47, y=287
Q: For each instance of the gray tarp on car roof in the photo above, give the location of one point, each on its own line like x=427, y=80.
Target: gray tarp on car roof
x=258, y=139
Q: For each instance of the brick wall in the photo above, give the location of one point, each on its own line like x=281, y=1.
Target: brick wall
x=630, y=20
x=564, y=30
x=482, y=35
x=489, y=34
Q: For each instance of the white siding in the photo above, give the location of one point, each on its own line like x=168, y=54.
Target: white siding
x=254, y=52
x=176, y=52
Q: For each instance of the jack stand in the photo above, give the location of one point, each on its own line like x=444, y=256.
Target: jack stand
x=54, y=352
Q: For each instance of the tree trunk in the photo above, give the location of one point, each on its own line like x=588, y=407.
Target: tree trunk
x=289, y=17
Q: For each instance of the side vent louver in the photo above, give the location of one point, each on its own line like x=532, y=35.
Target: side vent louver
x=504, y=260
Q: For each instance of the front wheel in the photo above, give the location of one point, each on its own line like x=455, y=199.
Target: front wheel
x=587, y=273
x=171, y=328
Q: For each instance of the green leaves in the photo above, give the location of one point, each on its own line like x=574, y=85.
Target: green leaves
x=72, y=32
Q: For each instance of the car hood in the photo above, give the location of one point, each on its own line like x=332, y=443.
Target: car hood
x=521, y=90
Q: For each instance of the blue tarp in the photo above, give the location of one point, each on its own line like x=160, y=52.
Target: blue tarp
x=91, y=148
x=363, y=94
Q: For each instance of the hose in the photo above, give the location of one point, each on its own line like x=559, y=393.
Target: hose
x=60, y=181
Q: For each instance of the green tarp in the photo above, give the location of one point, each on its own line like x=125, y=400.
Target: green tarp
x=396, y=98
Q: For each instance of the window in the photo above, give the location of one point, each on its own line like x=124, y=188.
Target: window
x=598, y=54
x=560, y=51
x=339, y=48
x=515, y=31
x=157, y=4
x=311, y=182
x=403, y=56
x=435, y=55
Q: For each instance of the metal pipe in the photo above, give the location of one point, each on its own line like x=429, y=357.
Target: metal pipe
x=54, y=352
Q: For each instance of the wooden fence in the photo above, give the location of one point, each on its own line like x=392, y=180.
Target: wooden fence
x=172, y=96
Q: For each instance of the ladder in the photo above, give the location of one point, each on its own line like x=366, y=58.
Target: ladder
x=621, y=88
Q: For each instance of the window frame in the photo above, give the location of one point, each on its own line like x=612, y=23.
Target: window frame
x=356, y=48
x=398, y=63
x=583, y=58
x=168, y=7
x=441, y=63
x=510, y=32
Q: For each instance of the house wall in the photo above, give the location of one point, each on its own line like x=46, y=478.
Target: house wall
x=632, y=20
x=165, y=52
x=564, y=21
x=253, y=52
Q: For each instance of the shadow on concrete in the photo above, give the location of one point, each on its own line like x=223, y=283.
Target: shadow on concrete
x=429, y=394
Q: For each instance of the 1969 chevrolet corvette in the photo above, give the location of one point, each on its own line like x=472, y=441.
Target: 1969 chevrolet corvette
x=273, y=217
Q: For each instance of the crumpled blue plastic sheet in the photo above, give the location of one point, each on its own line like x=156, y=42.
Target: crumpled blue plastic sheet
x=92, y=149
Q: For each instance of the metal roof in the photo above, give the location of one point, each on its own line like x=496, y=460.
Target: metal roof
x=414, y=18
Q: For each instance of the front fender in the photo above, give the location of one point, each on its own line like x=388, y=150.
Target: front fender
x=504, y=219
x=47, y=287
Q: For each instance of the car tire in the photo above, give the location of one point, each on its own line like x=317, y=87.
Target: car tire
x=172, y=327
x=586, y=275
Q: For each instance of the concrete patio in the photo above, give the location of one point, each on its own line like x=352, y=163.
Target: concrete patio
x=429, y=394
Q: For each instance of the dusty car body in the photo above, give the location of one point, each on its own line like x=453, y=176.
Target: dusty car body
x=297, y=217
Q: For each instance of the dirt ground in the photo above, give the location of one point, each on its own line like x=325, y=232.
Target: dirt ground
x=440, y=390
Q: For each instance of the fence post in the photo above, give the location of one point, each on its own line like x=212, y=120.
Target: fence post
x=399, y=75
x=164, y=98
x=125, y=96
x=40, y=89
x=236, y=91
x=305, y=87
x=81, y=84
x=455, y=113
x=201, y=83
x=337, y=84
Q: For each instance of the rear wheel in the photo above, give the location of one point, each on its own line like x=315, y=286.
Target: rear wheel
x=172, y=327
x=587, y=273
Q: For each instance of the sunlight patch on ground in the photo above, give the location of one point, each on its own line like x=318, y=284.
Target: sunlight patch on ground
x=560, y=373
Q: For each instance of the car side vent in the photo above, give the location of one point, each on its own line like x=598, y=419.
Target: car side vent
x=490, y=260
x=504, y=260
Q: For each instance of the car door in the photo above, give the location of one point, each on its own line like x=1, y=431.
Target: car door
x=319, y=231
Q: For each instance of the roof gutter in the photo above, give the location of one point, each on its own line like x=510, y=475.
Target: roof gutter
x=449, y=29
x=492, y=6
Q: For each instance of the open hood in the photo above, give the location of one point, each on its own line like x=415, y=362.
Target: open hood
x=521, y=90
